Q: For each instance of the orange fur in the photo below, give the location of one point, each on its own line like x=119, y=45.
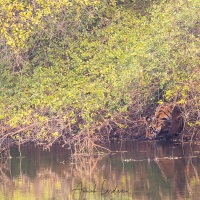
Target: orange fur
x=166, y=122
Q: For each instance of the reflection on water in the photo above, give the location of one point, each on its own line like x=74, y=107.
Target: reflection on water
x=135, y=170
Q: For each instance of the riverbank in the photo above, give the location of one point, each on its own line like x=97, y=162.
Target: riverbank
x=85, y=68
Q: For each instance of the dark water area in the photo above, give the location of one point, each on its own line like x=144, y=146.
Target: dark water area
x=134, y=170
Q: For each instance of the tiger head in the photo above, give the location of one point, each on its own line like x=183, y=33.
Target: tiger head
x=153, y=128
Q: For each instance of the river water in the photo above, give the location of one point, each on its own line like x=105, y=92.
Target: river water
x=134, y=170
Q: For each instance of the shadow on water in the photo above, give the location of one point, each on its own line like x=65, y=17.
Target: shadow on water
x=134, y=170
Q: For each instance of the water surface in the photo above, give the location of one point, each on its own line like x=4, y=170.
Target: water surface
x=135, y=170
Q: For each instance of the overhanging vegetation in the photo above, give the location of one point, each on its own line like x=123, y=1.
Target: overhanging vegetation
x=78, y=67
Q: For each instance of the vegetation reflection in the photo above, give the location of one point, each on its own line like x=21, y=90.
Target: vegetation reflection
x=139, y=170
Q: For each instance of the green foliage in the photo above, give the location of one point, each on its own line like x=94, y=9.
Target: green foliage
x=70, y=61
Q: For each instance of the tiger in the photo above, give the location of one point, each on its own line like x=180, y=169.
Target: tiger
x=166, y=122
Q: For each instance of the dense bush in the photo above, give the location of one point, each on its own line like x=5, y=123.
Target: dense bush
x=71, y=66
